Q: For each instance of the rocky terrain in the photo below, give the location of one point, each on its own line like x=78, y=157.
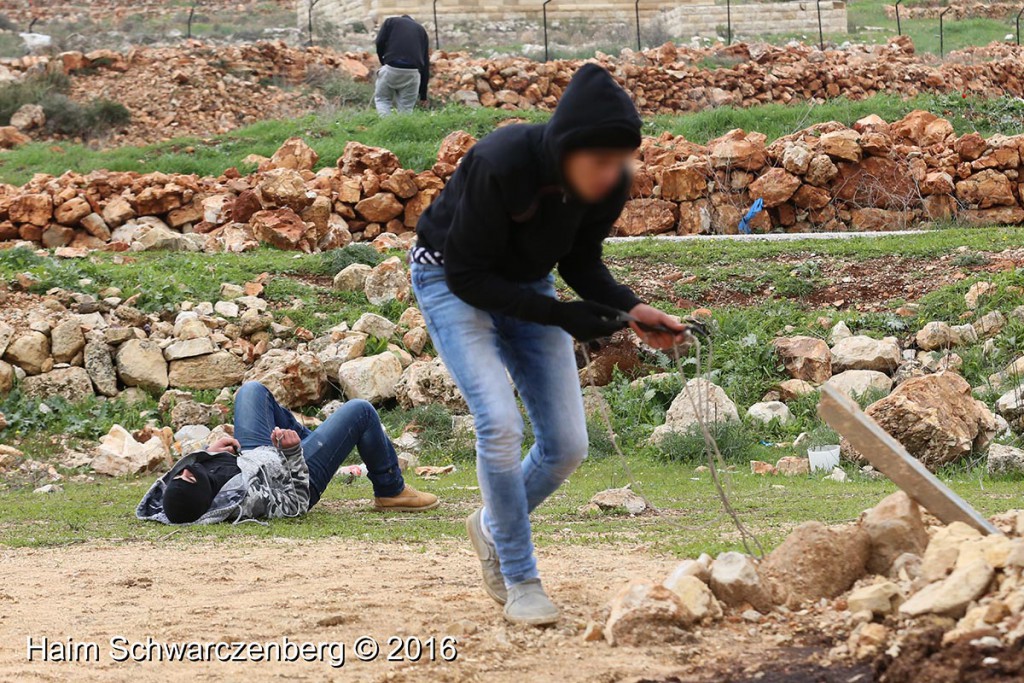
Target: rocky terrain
x=201, y=89
x=874, y=176
x=920, y=600
x=24, y=11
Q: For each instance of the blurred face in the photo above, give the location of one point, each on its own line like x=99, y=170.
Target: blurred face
x=594, y=173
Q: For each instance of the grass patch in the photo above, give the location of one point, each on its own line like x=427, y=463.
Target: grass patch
x=416, y=137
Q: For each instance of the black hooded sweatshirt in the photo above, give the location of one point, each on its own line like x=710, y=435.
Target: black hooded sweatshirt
x=403, y=43
x=506, y=217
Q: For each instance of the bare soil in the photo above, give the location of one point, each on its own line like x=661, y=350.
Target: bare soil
x=341, y=590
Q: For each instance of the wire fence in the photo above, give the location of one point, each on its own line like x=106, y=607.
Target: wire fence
x=544, y=31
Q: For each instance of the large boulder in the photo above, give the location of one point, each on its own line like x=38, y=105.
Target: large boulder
x=30, y=351
x=72, y=384
x=815, y=562
x=284, y=188
x=373, y=378
x=352, y=278
x=295, y=154
x=1004, y=461
x=295, y=379
x=806, y=358
x=426, y=383
x=864, y=353
x=936, y=419
x=66, y=341
x=698, y=398
x=855, y=383
x=212, y=371
x=1011, y=406
x=894, y=527
x=140, y=363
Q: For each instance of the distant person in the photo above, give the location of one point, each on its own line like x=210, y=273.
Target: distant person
x=277, y=467
x=403, y=48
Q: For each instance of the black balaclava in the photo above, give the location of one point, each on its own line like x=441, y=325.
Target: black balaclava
x=185, y=502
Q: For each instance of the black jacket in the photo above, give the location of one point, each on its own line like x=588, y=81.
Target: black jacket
x=505, y=217
x=403, y=43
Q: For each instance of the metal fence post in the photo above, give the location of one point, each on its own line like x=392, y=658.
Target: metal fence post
x=1018, y=24
x=547, y=57
x=899, y=25
x=637, y=8
x=191, y=16
x=312, y=4
x=437, y=31
x=821, y=34
x=942, y=33
x=728, y=22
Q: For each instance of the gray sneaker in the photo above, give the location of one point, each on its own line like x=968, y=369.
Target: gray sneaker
x=490, y=566
x=529, y=604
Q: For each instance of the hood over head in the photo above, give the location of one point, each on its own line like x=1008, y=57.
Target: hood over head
x=594, y=113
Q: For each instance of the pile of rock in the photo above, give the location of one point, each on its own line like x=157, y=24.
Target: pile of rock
x=284, y=204
x=880, y=581
x=874, y=176
x=215, y=89
x=75, y=347
x=670, y=79
x=114, y=10
x=956, y=10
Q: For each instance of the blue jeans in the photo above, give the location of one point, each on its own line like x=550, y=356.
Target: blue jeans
x=477, y=347
x=354, y=425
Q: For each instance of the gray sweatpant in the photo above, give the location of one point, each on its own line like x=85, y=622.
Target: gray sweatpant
x=397, y=87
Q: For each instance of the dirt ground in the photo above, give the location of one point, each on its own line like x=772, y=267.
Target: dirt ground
x=339, y=591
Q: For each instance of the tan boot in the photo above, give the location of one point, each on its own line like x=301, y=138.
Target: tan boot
x=409, y=500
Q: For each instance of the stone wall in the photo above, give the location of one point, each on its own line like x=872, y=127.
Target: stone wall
x=691, y=17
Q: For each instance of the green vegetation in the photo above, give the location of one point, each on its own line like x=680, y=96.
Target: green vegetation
x=690, y=519
x=64, y=116
x=416, y=137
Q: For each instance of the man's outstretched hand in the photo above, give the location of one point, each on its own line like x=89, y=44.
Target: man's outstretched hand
x=659, y=340
x=285, y=438
x=225, y=444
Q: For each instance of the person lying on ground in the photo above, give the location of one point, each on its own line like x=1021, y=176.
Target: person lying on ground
x=275, y=467
x=525, y=199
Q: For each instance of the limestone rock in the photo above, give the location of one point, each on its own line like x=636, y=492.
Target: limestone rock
x=936, y=419
x=880, y=598
x=373, y=378
x=119, y=454
x=72, y=384
x=696, y=596
x=212, y=371
x=944, y=550
x=936, y=335
x=805, y=358
x=864, y=353
x=427, y=383
x=66, y=341
x=100, y=366
x=284, y=229
x=295, y=379
x=767, y=411
x=815, y=562
x=952, y=595
x=295, y=154
x=140, y=363
x=697, y=395
x=643, y=613
x=386, y=282
x=352, y=278
x=1005, y=460
x=619, y=500
x=375, y=326
x=854, y=383
x=894, y=527
x=188, y=348
x=775, y=187
x=736, y=582
x=30, y=351
x=283, y=188
x=6, y=378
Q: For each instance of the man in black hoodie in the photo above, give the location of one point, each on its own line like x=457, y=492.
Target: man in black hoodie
x=525, y=199
x=403, y=48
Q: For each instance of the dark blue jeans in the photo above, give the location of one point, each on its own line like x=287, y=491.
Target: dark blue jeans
x=354, y=425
